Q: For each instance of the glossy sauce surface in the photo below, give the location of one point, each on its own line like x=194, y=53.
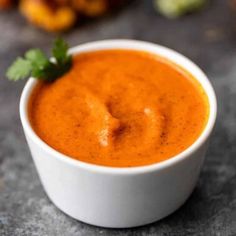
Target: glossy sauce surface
x=120, y=108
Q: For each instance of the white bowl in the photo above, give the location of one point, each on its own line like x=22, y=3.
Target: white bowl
x=120, y=197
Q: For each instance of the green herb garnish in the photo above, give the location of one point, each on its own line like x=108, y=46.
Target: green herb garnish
x=35, y=63
x=177, y=8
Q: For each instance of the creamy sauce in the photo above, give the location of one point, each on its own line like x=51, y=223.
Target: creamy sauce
x=120, y=108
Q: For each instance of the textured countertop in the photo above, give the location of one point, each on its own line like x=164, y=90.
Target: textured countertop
x=209, y=39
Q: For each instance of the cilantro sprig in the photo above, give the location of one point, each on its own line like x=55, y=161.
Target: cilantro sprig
x=36, y=64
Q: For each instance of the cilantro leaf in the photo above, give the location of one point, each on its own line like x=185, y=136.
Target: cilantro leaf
x=40, y=63
x=20, y=69
x=36, y=64
x=36, y=57
x=59, y=51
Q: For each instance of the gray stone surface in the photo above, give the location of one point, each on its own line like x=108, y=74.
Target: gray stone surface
x=208, y=38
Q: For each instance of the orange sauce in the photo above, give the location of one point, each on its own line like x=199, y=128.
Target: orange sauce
x=120, y=108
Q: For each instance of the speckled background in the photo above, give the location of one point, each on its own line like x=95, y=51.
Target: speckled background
x=209, y=39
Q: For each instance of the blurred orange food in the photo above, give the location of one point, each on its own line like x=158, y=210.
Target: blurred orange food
x=46, y=16
x=59, y=15
x=90, y=8
x=4, y=4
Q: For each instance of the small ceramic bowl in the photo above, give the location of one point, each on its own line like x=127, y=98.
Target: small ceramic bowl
x=120, y=197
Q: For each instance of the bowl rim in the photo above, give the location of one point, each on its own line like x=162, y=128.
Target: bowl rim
x=137, y=45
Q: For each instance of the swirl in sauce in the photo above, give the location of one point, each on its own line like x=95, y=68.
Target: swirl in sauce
x=120, y=108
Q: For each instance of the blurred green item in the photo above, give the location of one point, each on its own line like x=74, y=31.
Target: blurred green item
x=177, y=8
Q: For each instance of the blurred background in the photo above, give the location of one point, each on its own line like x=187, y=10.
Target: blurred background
x=203, y=30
